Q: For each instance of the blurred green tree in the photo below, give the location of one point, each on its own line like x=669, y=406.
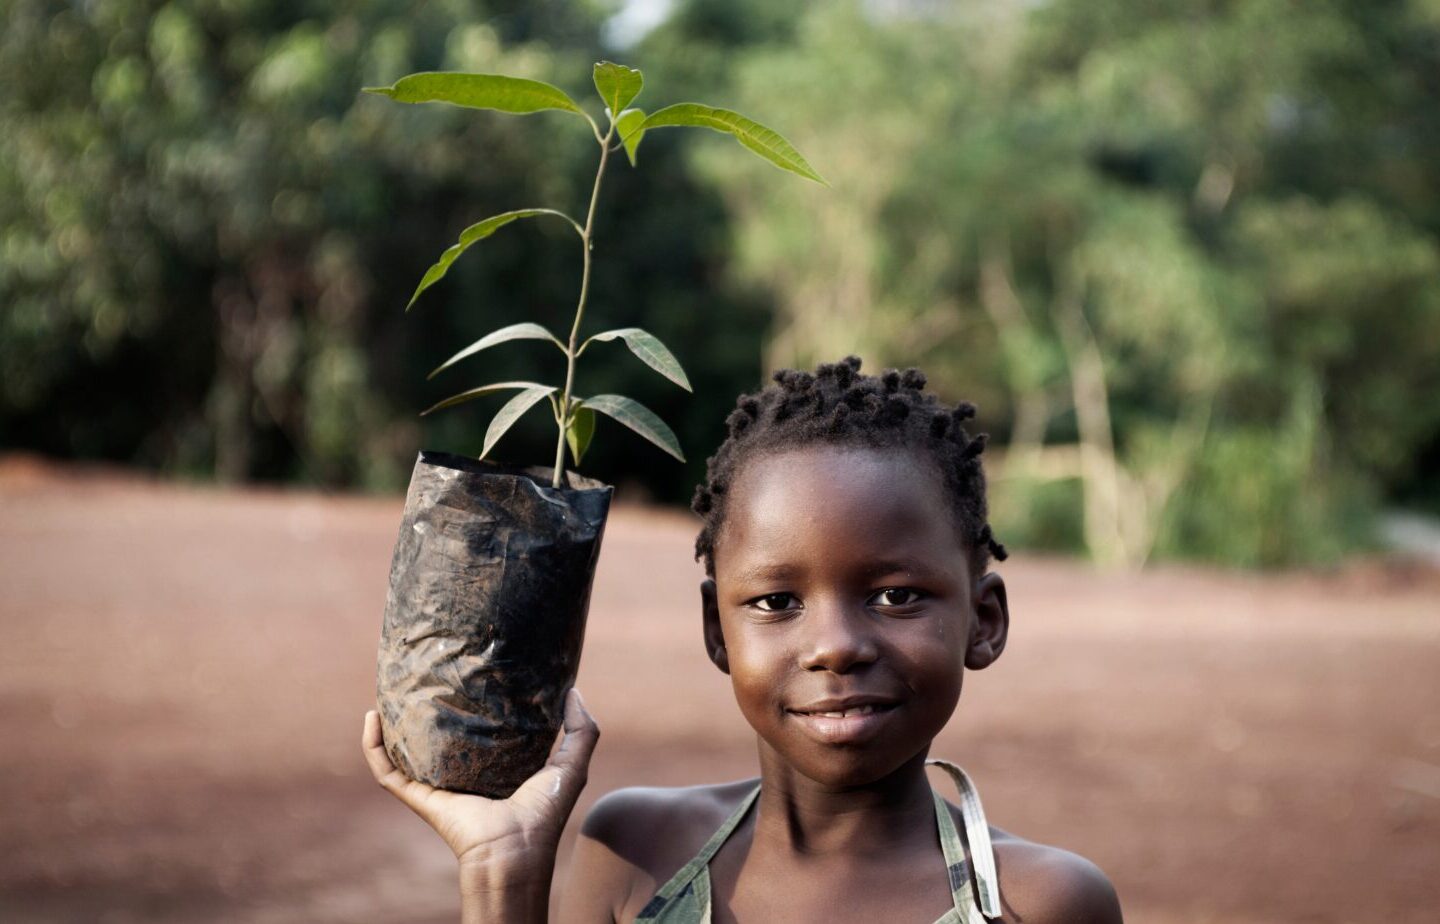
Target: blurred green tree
x=197, y=203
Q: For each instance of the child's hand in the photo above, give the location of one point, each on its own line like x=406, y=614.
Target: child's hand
x=514, y=838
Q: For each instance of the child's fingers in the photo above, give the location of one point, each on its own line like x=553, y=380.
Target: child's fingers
x=370, y=734
x=385, y=772
x=373, y=743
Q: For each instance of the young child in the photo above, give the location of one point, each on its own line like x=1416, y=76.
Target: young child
x=846, y=547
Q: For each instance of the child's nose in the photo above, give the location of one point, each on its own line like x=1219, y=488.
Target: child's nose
x=840, y=639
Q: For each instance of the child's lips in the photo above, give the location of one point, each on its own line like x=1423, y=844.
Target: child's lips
x=844, y=723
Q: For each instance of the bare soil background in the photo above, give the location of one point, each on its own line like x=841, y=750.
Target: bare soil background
x=183, y=672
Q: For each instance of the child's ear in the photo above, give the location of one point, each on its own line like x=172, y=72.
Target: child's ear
x=714, y=638
x=991, y=624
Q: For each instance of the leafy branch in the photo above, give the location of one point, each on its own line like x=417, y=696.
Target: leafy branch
x=617, y=86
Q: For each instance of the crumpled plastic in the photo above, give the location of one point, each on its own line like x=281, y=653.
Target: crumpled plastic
x=484, y=620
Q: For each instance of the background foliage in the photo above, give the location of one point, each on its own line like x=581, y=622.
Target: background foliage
x=1186, y=254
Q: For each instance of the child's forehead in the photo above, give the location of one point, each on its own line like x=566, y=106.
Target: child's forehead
x=835, y=469
x=838, y=500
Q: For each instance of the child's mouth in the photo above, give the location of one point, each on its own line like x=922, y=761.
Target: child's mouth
x=843, y=723
x=844, y=713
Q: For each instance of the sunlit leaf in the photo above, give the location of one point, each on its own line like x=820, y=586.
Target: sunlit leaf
x=650, y=350
x=505, y=418
x=617, y=84
x=639, y=418
x=522, y=331
x=580, y=431
x=766, y=142
x=477, y=232
x=628, y=126
x=477, y=392
x=479, y=91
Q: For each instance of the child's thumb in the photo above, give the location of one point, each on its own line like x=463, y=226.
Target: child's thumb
x=562, y=778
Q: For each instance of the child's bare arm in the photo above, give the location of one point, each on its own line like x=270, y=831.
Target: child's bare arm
x=505, y=847
x=625, y=845
x=602, y=878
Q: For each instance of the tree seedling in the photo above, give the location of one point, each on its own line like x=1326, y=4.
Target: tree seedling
x=618, y=86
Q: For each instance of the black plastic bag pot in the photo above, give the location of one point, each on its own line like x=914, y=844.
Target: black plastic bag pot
x=489, y=587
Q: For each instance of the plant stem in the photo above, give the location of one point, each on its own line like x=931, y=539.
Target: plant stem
x=571, y=350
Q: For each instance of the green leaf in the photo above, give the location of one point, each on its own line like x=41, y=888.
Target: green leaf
x=628, y=125
x=650, y=350
x=479, y=91
x=522, y=331
x=477, y=392
x=477, y=232
x=617, y=84
x=639, y=418
x=580, y=432
x=505, y=418
x=763, y=141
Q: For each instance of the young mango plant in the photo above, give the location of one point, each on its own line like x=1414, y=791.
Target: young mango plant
x=618, y=86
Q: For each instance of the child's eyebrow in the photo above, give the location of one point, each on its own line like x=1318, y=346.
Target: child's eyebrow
x=893, y=565
x=763, y=573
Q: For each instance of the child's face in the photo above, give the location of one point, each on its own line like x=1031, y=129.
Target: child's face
x=842, y=587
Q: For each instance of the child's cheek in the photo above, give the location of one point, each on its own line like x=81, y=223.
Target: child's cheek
x=756, y=678
x=933, y=666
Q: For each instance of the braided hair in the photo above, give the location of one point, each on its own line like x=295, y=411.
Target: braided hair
x=837, y=405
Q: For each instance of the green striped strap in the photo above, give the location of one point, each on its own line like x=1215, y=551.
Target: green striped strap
x=977, y=832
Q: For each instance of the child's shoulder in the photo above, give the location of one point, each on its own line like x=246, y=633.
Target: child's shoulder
x=633, y=840
x=1040, y=883
x=653, y=826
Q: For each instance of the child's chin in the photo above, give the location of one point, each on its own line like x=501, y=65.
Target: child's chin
x=851, y=769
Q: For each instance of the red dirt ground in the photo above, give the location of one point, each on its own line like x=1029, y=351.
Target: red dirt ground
x=183, y=673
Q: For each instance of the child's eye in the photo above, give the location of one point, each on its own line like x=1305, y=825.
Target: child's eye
x=895, y=596
x=774, y=603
